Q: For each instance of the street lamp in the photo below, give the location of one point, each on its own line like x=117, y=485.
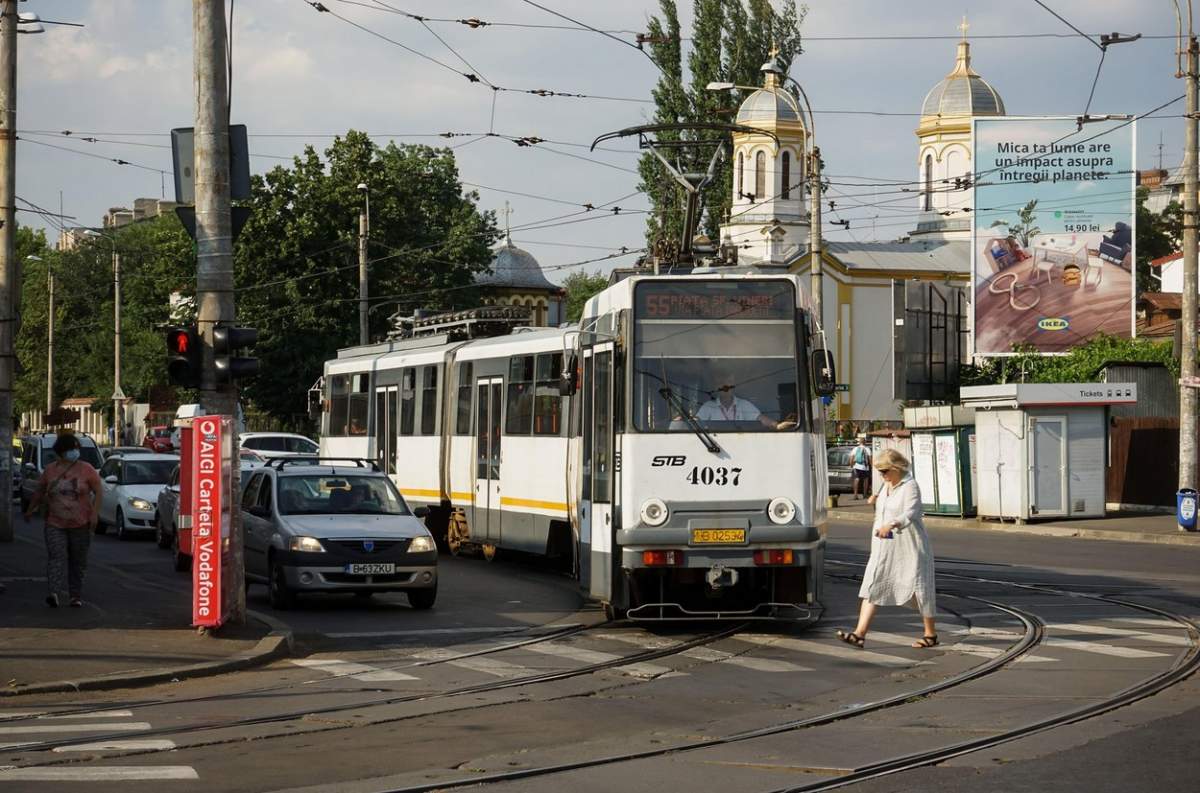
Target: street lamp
x=364, y=232
x=118, y=395
x=814, y=170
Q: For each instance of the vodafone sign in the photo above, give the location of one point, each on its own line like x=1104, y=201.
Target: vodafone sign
x=207, y=509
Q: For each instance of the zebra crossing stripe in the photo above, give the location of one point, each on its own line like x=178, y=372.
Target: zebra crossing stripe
x=31, y=729
x=11, y=715
x=838, y=650
x=1099, y=630
x=707, y=654
x=596, y=657
x=147, y=745
x=370, y=674
x=1101, y=648
x=483, y=664
x=101, y=773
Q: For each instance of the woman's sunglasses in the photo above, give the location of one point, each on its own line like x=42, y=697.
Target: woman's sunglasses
x=884, y=471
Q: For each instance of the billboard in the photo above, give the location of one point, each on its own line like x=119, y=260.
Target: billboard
x=1053, y=243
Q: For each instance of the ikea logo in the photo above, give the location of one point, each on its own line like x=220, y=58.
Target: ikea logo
x=1053, y=323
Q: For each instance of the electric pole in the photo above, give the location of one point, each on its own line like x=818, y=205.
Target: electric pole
x=364, y=233
x=8, y=234
x=118, y=395
x=214, y=258
x=50, y=340
x=814, y=238
x=1188, y=394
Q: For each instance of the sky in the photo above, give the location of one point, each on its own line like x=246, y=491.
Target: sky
x=300, y=77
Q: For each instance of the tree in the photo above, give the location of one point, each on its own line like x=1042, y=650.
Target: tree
x=1158, y=234
x=296, y=261
x=731, y=41
x=580, y=287
x=1080, y=365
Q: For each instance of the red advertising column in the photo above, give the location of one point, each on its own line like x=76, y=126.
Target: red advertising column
x=207, y=512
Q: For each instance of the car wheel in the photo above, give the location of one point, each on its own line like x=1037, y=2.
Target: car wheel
x=282, y=596
x=182, y=561
x=122, y=533
x=160, y=532
x=422, y=599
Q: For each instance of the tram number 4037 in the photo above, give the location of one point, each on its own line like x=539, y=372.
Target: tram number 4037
x=708, y=475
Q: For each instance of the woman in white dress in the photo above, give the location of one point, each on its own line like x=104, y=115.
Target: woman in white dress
x=900, y=570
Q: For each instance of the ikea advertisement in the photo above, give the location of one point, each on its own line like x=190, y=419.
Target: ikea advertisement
x=1053, y=244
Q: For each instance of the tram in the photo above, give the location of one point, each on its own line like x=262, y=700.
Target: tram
x=668, y=448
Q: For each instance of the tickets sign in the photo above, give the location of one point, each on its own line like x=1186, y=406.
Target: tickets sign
x=207, y=510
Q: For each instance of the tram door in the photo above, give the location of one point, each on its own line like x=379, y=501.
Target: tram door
x=386, y=412
x=489, y=397
x=600, y=451
x=1048, y=471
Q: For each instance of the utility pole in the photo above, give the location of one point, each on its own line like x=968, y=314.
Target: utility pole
x=214, y=256
x=50, y=341
x=118, y=395
x=8, y=233
x=814, y=237
x=1187, y=394
x=364, y=233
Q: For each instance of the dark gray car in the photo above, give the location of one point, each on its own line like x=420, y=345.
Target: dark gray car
x=841, y=469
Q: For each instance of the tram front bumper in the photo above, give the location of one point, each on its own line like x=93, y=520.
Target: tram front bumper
x=805, y=543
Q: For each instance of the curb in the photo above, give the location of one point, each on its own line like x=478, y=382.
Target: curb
x=1189, y=540
x=276, y=644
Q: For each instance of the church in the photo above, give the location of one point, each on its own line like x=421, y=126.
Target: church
x=864, y=284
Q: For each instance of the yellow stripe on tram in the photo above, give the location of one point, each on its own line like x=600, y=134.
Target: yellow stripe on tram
x=554, y=506
x=417, y=492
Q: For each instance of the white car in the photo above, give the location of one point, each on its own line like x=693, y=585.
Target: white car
x=277, y=444
x=130, y=491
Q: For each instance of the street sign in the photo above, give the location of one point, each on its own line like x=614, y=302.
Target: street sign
x=118, y=394
x=183, y=142
x=209, y=470
x=841, y=387
x=62, y=416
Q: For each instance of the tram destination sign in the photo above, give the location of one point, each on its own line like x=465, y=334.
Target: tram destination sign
x=715, y=300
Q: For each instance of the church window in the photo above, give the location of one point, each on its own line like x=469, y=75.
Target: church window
x=786, y=192
x=928, y=182
x=760, y=176
x=741, y=166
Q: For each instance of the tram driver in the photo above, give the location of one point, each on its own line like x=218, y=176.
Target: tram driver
x=726, y=406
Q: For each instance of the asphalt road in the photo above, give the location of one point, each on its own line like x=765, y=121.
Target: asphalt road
x=512, y=671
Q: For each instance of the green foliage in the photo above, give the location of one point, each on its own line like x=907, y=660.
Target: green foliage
x=580, y=287
x=1157, y=235
x=1078, y=366
x=1023, y=228
x=731, y=41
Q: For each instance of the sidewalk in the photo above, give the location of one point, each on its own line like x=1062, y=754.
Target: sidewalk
x=134, y=628
x=1119, y=526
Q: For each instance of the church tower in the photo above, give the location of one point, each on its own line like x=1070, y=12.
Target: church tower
x=944, y=147
x=769, y=218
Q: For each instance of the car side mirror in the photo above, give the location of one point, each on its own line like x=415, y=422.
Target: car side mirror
x=315, y=403
x=259, y=511
x=112, y=479
x=174, y=488
x=421, y=512
x=568, y=381
x=823, y=375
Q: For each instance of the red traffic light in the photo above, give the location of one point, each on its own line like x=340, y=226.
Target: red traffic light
x=179, y=342
x=183, y=356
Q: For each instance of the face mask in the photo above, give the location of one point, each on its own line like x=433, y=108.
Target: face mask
x=71, y=455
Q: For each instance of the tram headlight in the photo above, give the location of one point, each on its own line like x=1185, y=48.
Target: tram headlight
x=781, y=510
x=654, y=512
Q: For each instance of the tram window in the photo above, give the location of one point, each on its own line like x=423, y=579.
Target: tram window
x=462, y=422
x=519, y=418
x=408, y=398
x=429, y=400
x=547, y=402
x=586, y=434
x=602, y=442
x=358, y=404
x=339, y=387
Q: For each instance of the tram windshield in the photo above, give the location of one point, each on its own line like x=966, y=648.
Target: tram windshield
x=718, y=355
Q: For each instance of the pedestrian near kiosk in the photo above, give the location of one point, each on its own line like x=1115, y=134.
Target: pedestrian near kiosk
x=861, y=459
x=900, y=569
x=71, y=492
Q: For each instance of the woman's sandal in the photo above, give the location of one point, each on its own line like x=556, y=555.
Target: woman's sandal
x=851, y=638
x=926, y=642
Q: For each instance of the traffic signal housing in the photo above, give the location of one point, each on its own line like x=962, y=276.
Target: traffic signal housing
x=183, y=356
x=228, y=342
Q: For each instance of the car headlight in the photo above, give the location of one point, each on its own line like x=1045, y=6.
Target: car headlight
x=654, y=512
x=780, y=510
x=421, y=544
x=141, y=504
x=306, y=544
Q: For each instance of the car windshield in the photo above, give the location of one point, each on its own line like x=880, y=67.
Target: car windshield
x=148, y=472
x=331, y=494
x=89, y=454
x=719, y=355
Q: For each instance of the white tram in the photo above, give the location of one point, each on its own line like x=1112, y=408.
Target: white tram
x=669, y=447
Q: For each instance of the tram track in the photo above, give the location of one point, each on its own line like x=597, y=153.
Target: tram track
x=309, y=713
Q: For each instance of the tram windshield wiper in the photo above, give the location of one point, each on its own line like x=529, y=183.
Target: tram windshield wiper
x=708, y=440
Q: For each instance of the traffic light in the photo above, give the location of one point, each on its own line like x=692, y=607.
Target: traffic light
x=183, y=356
x=227, y=342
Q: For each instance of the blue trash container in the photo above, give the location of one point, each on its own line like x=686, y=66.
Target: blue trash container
x=1185, y=508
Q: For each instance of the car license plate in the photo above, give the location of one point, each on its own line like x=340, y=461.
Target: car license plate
x=718, y=536
x=370, y=568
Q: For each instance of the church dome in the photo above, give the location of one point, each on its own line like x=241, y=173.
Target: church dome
x=963, y=92
x=771, y=103
x=516, y=269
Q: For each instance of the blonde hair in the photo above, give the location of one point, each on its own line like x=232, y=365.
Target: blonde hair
x=890, y=458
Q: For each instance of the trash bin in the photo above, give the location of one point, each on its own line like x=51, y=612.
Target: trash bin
x=1185, y=508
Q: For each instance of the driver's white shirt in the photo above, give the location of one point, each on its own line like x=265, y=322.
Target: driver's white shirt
x=739, y=410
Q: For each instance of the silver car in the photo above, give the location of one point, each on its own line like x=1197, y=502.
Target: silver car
x=130, y=486
x=334, y=528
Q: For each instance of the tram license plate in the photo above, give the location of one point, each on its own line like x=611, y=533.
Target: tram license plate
x=718, y=536
x=371, y=568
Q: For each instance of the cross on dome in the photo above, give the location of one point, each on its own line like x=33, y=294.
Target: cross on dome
x=963, y=27
x=507, y=213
